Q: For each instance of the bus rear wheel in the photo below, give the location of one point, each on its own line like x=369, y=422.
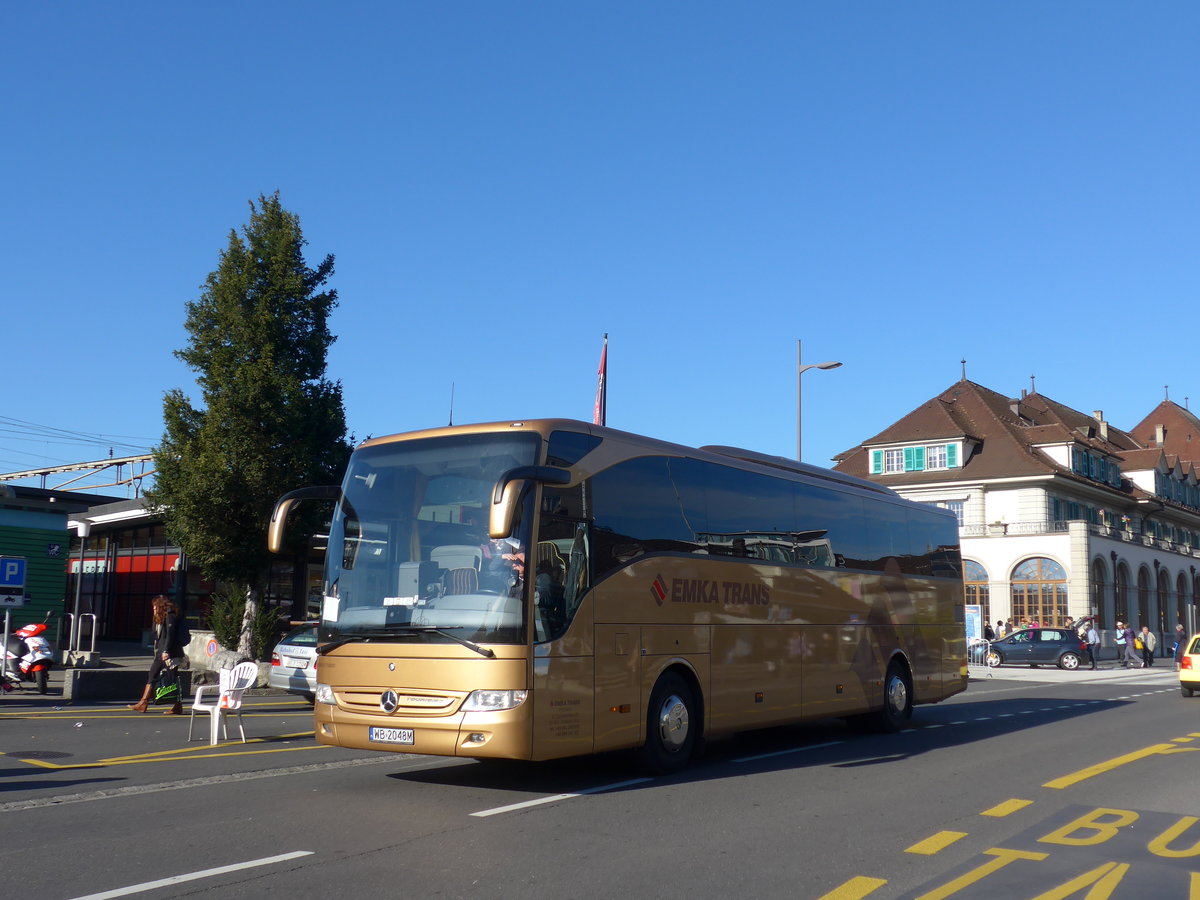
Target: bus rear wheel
x=672, y=722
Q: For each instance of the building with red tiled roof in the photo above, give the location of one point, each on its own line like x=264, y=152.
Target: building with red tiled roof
x=1061, y=514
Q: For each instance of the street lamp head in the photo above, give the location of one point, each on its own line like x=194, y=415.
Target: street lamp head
x=828, y=365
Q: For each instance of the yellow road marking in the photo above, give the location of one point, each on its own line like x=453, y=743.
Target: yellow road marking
x=108, y=712
x=855, y=889
x=1102, y=768
x=1007, y=808
x=200, y=747
x=1002, y=858
x=1103, y=880
x=133, y=762
x=936, y=843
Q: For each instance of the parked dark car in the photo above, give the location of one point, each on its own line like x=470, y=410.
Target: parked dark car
x=1061, y=647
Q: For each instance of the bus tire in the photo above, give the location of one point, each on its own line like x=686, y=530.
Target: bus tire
x=672, y=723
x=897, y=699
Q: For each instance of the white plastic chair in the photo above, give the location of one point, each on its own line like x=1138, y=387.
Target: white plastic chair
x=230, y=687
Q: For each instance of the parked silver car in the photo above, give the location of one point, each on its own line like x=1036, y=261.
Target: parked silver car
x=294, y=662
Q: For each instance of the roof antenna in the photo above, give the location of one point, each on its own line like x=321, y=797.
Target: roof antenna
x=1167, y=391
x=451, y=403
x=964, y=365
x=1032, y=384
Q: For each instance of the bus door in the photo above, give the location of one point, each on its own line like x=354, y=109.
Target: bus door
x=562, y=677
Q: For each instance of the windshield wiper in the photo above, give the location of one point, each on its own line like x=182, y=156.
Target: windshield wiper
x=392, y=630
x=444, y=631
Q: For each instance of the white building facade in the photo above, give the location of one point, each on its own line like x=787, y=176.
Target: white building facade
x=1060, y=515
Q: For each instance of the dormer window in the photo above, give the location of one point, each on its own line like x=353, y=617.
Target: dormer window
x=914, y=459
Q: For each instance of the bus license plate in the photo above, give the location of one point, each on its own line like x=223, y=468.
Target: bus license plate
x=391, y=735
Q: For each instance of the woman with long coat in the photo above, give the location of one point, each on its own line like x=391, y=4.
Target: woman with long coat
x=165, y=616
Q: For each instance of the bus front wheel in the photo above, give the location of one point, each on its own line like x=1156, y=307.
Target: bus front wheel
x=897, y=699
x=672, y=722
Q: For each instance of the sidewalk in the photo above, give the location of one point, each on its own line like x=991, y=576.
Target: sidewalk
x=129, y=657
x=1109, y=670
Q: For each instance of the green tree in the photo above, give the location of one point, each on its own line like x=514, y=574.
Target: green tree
x=270, y=421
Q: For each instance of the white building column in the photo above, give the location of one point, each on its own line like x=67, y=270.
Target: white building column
x=1079, y=578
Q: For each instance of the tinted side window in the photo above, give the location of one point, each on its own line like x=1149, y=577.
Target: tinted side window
x=636, y=510
x=934, y=544
x=566, y=448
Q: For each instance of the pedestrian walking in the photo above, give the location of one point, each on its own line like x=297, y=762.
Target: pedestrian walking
x=988, y=633
x=1149, y=642
x=1119, y=642
x=1180, y=646
x=1093, y=642
x=167, y=650
x=999, y=629
x=1132, y=660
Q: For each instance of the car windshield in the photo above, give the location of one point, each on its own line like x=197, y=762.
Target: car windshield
x=304, y=636
x=408, y=546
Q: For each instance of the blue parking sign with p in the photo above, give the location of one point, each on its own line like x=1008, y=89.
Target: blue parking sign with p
x=12, y=573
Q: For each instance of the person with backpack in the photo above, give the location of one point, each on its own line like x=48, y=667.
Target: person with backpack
x=168, y=651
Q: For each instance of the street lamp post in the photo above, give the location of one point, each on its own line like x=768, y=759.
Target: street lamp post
x=800, y=370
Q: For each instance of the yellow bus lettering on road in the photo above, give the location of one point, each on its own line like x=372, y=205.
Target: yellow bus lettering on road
x=1002, y=858
x=1160, y=846
x=1103, y=880
x=1088, y=830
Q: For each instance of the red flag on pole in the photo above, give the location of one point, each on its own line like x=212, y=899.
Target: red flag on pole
x=600, y=413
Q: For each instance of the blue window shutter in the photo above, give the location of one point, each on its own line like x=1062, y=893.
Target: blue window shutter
x=919, y=458
x=952, y=456
x=876, y=462
x=908, y=459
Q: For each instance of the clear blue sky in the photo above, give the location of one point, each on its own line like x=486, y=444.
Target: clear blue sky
x=899, y=185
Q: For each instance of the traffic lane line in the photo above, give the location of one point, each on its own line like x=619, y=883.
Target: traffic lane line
x=1109, y=765
x=555, y=798
x=203, y=751
x=223, y=780
x=195, y=876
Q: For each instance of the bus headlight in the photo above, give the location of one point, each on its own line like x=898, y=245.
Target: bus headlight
x=493, y=701
x=325, y=694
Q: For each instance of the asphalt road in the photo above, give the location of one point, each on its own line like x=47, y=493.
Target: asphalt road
x=1033, y=784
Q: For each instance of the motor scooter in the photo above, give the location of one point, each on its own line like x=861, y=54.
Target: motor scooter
x=28, y=657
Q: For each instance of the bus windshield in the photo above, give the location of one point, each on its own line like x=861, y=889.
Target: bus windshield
x=409, y=555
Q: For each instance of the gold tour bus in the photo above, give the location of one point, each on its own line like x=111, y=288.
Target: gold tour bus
x=542, y=589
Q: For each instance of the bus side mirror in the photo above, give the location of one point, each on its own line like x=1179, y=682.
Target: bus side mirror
x=284, y=505
x=508, y=489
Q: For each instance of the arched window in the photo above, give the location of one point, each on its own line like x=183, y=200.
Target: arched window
x=1039, y=592
x=1143, y=597
x=1165, y=602
x=975, y=581
x=1121, y=595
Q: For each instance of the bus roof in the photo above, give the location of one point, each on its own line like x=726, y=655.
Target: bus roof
x=547, y=426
